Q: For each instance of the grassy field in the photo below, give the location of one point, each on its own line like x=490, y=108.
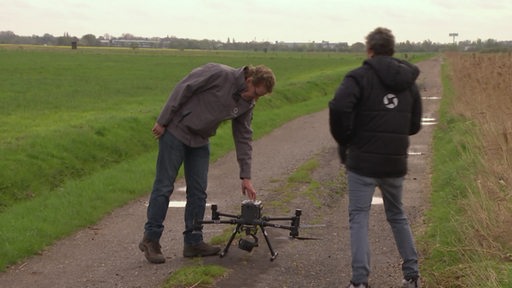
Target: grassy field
x=66, y=114
x=75, y=143
x=75, y=128
x=468, y=239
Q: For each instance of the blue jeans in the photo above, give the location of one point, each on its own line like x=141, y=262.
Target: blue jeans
x=172, y=154
x=361, y=190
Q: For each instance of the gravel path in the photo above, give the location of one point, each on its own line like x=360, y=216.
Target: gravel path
x=106, y=254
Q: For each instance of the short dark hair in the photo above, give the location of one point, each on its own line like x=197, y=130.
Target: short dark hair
x=381, y=41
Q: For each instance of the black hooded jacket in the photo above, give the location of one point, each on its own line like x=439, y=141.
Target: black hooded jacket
x=374, y=110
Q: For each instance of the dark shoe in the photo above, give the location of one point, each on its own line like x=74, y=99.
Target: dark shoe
x=200, y=250
x=152, y=250
x=354, y=285
x=411, y=283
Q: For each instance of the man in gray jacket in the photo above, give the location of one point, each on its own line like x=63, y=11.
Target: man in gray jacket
x=207, y=96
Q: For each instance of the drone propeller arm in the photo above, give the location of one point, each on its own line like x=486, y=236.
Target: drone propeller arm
x=227, y=215
x=274, y=225
x=266, y=218
x=294, y=230
x=216, y=214
x=230, y=221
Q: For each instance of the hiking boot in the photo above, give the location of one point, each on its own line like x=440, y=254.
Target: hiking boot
x=200, y=250
x=361, y=285
x=410, y=283
x=152, y=250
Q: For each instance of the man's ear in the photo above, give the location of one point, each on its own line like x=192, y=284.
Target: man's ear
x=370, y=52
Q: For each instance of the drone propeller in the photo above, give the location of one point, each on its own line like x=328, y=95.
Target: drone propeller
x=306, y=238
x=298, y=238
x=309, y=226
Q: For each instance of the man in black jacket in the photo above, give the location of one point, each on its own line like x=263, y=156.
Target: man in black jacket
x=374, y=110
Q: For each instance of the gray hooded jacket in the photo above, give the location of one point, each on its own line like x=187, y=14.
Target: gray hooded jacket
x=205, y=98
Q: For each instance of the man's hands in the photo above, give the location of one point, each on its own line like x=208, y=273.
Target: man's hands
x=158, y=130
x=248, y=190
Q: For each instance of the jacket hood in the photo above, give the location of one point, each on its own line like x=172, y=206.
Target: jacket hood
x=395, y=74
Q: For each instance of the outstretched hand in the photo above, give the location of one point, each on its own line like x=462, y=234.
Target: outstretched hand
x=248, y=190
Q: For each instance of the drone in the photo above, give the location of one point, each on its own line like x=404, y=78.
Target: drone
x=249, y=221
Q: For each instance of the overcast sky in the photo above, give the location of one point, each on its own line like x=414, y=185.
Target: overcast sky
x=262, y=20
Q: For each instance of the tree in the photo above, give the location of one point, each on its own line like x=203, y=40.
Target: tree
x=127, y=36
x=89, y=40
x=66, y=40
x=358, y=47
x=48, y=39
x=7, y=37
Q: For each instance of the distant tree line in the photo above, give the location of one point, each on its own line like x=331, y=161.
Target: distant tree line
x=134, y=42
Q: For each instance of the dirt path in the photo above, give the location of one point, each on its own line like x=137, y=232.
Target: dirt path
x=106, y=254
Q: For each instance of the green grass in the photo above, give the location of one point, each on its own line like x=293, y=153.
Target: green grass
x=75, y=128
x=451, y=260
x=303, y=177
x=66, y=114
x=196, y=275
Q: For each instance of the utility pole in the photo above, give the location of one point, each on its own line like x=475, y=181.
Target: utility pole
x=453, y=35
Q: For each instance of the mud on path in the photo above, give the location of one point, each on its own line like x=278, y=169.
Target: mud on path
x=106, y=254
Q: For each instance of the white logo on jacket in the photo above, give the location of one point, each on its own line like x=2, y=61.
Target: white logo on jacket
x=390, y=101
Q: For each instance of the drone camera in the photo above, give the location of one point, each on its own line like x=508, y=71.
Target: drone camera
x=246, y=244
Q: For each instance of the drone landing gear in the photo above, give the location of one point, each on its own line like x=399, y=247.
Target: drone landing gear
x=246, y=244
x=249, y=222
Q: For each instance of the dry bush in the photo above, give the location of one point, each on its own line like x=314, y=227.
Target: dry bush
x=483, y=88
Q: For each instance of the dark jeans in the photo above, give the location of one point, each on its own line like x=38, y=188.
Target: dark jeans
x=172, y=153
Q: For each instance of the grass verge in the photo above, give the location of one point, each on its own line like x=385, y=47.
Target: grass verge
x=458, y=255
x=195, y=275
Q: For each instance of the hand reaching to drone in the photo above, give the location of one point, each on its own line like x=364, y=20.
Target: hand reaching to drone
x=248, y=190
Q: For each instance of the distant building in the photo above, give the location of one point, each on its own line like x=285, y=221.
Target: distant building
x=130, y=43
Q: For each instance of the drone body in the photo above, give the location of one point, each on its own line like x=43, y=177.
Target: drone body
x=249, y=221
